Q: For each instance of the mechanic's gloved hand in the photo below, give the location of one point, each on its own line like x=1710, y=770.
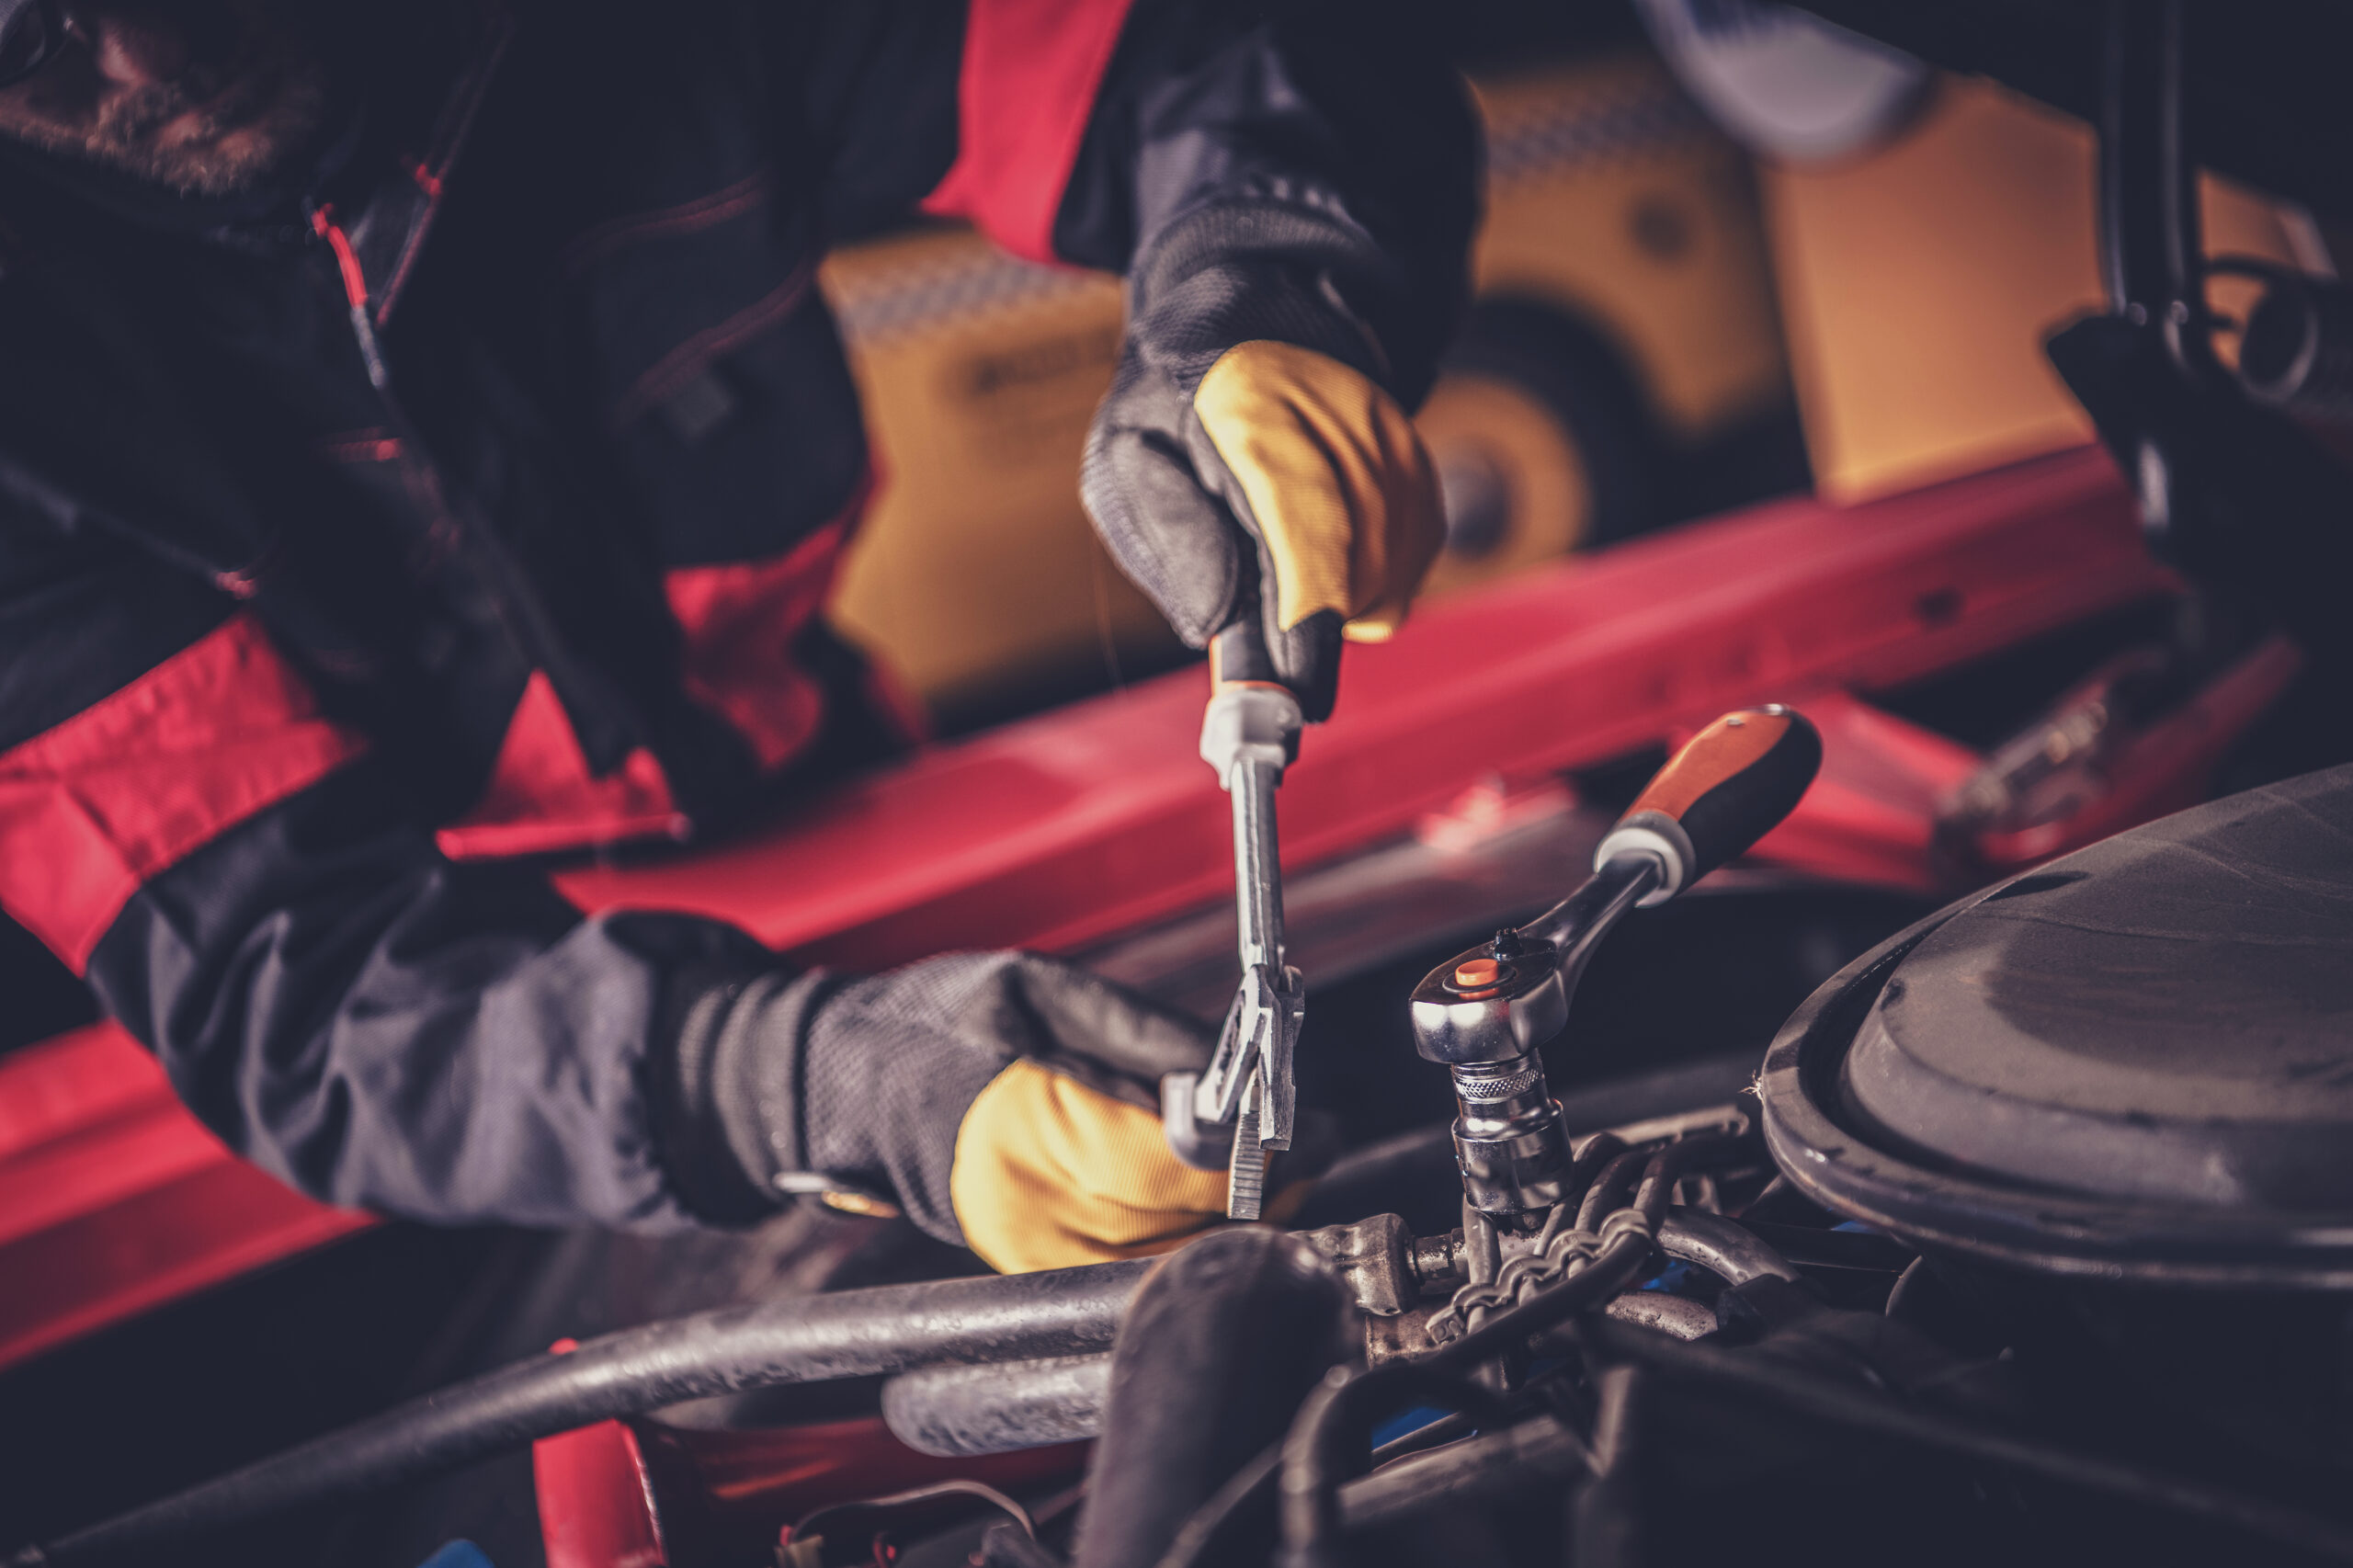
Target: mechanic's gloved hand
x=1006, y=1101
x=1248, y=419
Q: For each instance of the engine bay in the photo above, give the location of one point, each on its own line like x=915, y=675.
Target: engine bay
x=1735, y=1316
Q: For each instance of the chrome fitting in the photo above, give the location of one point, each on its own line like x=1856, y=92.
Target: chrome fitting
x=1510, y=1143
x=1250, y=723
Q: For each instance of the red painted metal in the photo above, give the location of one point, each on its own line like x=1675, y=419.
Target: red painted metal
x=595, y=1496
x=635, y=1495
x=1871, y=813
x=596, y=1503
x=1098, y=817
x=2167, y=768
x=594, y=1511
x=113, y=1199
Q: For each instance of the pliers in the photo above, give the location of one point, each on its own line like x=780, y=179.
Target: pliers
x=1249, y=735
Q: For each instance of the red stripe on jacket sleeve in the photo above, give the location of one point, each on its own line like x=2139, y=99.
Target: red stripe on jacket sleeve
x=1025, y=91
x=541, y=796
x=93, y=809
x=741, y=620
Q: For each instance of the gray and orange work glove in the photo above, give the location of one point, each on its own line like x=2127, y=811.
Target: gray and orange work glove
x=1004, y=1101
x=1249, y=456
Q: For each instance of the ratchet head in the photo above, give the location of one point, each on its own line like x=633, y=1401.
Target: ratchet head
x=1499, y=1002
x=1485, y=1012
x=1731, y=784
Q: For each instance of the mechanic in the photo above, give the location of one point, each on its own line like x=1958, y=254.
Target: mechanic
x=423, y=446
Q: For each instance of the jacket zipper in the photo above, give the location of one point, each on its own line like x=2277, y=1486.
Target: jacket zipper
x=355, y=292
x=517, y=606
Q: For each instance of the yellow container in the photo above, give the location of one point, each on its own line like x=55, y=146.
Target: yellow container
x=1611, y=204
x=1918, y=283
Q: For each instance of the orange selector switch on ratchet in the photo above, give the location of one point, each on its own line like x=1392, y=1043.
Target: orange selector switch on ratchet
x=1485, y=1012
x=1244, y=1100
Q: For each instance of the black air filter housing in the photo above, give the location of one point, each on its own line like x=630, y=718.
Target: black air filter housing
x=2133, y=1064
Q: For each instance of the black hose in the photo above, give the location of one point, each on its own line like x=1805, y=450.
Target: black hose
x=1218, y=1348
x=1667, y=1166
x=1326, y=1444
x=1599, y=1151
x=1533, y=1457
x=1608, y=1189
x=1605, y=1513
x=1241, y=1509
x=996, y=1408
x=1330, y=1442
x=1763, y=1382
x=1238, y=1511
x=1210, y=1534
x=803, y=1339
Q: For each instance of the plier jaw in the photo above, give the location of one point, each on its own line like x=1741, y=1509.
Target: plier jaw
x=1242, y=1107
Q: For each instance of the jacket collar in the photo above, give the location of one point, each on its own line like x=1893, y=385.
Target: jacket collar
x=66, y=463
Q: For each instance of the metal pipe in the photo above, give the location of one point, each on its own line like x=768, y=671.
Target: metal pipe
x=1388, y=1174
x=1577, y=925
x=1655, y=1310
x=1611, y=1271
x=1609, y=1188
x=957, y=1412
x=798, y=1340
x=1492, y=1465
x=1723, y=1247
x=1258, y=894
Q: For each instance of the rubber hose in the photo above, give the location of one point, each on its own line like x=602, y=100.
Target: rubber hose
x=1223, y=1341
x=801, y=1340
x=1758, y=1381
x=1329, y=1442
x=958, y=1412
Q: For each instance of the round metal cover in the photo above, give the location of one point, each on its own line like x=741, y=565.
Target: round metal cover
x=2136, y=1061
x=1784, y=82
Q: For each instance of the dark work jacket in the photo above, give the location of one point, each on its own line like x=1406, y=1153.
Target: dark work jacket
x=480, y=499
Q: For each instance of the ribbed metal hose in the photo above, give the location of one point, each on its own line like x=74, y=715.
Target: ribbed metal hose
x=804, y=1339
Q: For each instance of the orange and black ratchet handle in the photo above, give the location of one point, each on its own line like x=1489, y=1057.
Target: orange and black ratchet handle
x=1729, y=785
x=1732, y=783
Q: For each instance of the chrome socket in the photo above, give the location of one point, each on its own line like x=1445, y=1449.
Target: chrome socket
x=1510, y=1141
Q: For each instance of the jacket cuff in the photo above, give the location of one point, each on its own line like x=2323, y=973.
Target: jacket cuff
x=1292, y=272
x=721, y=1091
